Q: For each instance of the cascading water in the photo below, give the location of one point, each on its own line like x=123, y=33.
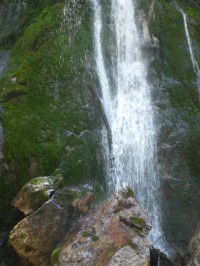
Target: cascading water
x=194, y=62
x=126, y=100
x=4, y=59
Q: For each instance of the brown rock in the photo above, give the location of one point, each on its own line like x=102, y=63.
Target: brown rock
x=34, y=238
x=82, y=204
x=103, y=237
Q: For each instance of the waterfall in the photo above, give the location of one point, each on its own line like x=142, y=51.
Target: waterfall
x=194, y=62
x=4, y=60
x=126, y=100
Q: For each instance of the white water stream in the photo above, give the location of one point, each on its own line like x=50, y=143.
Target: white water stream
x=126, y=99
x=194, y=62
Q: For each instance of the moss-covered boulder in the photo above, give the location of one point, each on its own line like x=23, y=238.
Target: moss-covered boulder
x=35, y=193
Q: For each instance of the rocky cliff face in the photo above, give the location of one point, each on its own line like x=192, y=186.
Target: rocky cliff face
x=176, y=105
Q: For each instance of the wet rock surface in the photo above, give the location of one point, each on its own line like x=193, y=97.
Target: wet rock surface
x=194, y=248
x=105, y=236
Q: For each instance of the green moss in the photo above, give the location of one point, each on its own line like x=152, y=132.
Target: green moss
x=55, y=255
x=128, y=193
x=41, y=30
x=57, y=181
x=12, y=26
x=86, y=234
x=46, y=101
x=95, y=238
x=91, y=234
x=38, y=181
x=193, y=13
x=32, y=122
x=139, y=222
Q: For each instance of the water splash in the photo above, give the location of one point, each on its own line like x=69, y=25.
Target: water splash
x=126, y=99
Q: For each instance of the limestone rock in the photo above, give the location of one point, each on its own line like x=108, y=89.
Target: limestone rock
x=35, y=193
x=194, y=248
x=106, y=236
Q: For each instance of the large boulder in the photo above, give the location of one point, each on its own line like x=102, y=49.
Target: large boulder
x=113, y=233
x=36, y=236
x=35, y=193
x=194, y=248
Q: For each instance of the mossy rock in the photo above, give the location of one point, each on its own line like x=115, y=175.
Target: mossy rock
x=138, y=222
x=35, y=193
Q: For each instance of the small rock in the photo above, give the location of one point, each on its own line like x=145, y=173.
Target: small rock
x=82, y=204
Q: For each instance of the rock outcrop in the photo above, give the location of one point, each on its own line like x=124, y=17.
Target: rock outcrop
x=112, y=234
x=63, y=231
x=35, y=237
x=194, y=248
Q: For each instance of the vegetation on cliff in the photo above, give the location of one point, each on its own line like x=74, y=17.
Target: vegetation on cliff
x=47, y=111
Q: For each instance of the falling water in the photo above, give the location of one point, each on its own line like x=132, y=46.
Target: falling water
x=194, y=62
x=126, y=100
